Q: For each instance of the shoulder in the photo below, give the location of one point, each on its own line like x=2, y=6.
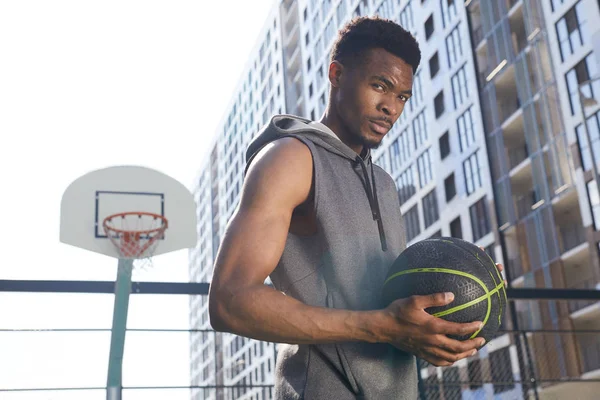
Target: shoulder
x=281, y=171
x=284, y=153
x=383, y=177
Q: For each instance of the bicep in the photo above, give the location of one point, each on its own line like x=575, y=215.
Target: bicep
x=277, y=182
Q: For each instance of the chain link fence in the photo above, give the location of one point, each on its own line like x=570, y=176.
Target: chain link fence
x=555, y=356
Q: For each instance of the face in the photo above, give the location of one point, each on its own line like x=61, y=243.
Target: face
x=369, y=97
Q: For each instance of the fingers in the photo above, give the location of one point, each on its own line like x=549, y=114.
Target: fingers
x=458, y=346
x=440, y=356
x=433, y=300
x=454, y=328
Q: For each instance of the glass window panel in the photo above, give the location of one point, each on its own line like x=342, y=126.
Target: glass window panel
x=594, y=202
x=56, y=311
x=54, y=359
x=171, y=394
x=540, y=178
x=157, y=359
x=547, y=230
x=532, y=244
x=531, y=129
x=58, y=395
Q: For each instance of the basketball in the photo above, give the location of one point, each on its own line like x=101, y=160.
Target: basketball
x=451, y=265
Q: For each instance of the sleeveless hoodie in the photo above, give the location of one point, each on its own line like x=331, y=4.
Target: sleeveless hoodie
x=359, y=235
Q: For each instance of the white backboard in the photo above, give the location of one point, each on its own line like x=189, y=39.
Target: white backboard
x=96, y=195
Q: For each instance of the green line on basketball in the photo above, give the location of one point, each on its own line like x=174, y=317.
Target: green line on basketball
x=447, y=264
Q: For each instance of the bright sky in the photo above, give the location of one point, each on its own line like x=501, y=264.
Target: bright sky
x=86, y=85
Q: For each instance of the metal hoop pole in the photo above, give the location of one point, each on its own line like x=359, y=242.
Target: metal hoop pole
x=117, y=340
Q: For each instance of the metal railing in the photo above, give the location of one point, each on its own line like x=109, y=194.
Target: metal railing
x=518, y=364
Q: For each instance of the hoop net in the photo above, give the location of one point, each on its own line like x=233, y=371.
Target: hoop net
x=135, y=234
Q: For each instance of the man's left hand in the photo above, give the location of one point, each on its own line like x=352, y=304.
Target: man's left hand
x=500, y=268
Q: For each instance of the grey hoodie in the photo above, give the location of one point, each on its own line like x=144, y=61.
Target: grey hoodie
x=359, y=235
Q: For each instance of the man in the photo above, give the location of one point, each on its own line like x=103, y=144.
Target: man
x=324, y=223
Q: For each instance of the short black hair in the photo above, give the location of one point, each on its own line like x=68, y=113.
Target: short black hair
x=365, y=33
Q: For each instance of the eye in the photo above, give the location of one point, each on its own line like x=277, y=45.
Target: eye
x=403, y=98
x=378, y=86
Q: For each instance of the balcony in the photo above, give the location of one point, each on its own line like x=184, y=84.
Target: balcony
x=584, y=309
x=506, y=94
x=515, y=267
x=517, y=27
x=589, y=350
x=570, y=236
x=517, y=155
x=523, y=203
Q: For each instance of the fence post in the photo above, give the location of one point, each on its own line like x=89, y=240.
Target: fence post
x=530, y=363
x=422, y=393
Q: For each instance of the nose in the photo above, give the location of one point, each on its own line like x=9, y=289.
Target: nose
x=389, y=107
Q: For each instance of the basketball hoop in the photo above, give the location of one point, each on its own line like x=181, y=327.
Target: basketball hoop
x=135, y=234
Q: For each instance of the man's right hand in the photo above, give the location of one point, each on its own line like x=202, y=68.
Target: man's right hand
x=412, y=329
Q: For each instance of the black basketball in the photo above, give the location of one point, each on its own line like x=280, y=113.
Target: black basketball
x=451, y=265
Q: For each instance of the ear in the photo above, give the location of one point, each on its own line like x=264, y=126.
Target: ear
x=336, y=70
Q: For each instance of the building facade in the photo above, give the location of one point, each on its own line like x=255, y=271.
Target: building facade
x=486, y=150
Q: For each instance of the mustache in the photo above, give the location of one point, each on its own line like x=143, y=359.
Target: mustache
x=387, y=121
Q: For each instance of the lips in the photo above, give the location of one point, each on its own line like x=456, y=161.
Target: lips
x=379, y=127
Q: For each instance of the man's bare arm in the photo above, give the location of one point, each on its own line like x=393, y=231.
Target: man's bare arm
x=278, y=181
x=239, y=302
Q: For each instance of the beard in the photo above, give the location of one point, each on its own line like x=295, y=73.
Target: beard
x=370, y=144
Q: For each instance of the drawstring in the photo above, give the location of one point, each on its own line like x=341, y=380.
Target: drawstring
x=373, y=201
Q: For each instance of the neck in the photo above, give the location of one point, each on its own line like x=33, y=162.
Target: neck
x=333, y=121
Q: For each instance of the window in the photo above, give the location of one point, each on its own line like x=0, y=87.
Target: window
x=456, y=228
x=395, y=156
x=430, y=208
x=580, y=73
x=593, y=125
x=571, y=30
x=307, y=38
x=417, y=97
x=438, y=104
x=429, y=27
x=434, y=65
x=406, y=185
x=475, y=375
x=448, y=11
x=404, y=145
x=341, y=12
x=411, y=219
x=305, y=14
x=385, y=10
x=466, y=133
x=454, y=46
x=460, y=92
x=419, y=126
x=594, y=200
x=310, y=90
x=490, y=252
x=308, y=65
x=444, y=142
x=452, y=389
x=450, y=187
x=480, y=221
x=555, y=4
x=499, y=360
x=424, y=167
x=472, y=172
x=406, y=18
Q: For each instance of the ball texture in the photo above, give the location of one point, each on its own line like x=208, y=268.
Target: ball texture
x=447, y=264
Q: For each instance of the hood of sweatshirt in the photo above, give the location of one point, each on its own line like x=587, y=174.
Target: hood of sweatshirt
x=289, y=125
